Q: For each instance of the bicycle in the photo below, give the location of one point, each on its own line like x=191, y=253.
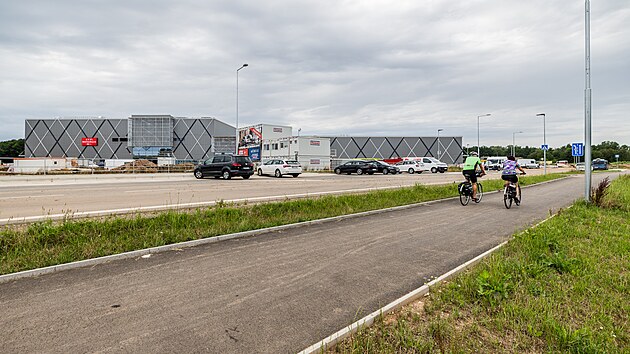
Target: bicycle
x=466, y=190
x=510, y=194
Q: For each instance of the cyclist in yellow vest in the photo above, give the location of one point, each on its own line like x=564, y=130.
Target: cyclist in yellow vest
x=469, y=171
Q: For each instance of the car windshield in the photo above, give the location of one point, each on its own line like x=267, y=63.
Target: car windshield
x=242, y=159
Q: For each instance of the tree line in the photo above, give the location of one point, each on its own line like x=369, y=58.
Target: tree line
x=606, y=150
x=12, y=148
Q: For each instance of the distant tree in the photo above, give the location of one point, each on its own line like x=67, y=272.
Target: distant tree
x=12, y=148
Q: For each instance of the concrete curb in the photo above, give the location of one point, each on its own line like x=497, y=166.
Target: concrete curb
x=368, y=320
x=176, y=246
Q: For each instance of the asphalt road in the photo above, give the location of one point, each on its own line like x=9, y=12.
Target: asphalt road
x=271, y=293
x=37, y=197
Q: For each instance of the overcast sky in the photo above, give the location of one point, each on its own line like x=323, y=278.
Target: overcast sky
x=355, y=68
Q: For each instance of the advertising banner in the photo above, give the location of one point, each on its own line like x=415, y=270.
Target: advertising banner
x=250, y=136
x=254, y=153
x=89, y=141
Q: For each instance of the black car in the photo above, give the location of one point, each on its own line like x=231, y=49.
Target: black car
x=385, y=168
x=357, y=166
x=225, y=166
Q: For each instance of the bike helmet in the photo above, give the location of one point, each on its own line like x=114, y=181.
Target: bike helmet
x=473, y=153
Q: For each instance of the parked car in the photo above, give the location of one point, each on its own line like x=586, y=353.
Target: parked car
x=411, y=166
x=580, y=166
x=528, y=163
x=599, y=164
x=279, y=168
x=357, y=166
x=434, y=165
x=562, y=163
x=225, y=166
x=385, y=168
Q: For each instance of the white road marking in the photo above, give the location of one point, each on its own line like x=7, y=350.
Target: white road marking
x=35, y=196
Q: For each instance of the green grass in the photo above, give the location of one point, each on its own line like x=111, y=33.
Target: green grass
x=562, y=286
x=47, y=243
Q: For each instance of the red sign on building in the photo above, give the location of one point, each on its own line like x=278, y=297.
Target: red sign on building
x=89, y=141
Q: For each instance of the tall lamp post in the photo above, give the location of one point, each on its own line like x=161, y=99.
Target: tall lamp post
x=483, y=115
x=514, y=146
x=544, y=141
x=438, y=142
x=237, y=70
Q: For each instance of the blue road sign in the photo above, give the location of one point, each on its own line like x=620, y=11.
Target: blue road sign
x=544, y=147
x=577, y=149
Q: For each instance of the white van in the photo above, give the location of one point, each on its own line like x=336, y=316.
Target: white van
x=528, y=163
x=495, y=162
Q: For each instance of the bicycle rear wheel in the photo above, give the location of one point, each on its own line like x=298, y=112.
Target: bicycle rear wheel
x=479, y=192
x=507, y=200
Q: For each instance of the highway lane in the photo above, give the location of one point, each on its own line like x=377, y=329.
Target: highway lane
x=271, y=293
x=44, y=196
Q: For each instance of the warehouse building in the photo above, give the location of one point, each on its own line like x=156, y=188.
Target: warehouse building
x=447, y=149
x=139, y=136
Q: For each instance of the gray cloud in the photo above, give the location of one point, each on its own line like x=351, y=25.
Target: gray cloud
x=338, y=67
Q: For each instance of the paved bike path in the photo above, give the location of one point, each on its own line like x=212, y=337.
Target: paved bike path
x=276, y=292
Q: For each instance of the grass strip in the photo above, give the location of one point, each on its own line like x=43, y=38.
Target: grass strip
x=562, y=286
x=46, y=243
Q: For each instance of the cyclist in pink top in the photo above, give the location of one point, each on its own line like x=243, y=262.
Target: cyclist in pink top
x=509, y=173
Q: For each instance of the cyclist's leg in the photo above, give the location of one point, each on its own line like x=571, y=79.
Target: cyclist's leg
x=474, y=185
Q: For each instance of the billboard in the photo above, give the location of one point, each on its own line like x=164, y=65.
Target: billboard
x=250, y=136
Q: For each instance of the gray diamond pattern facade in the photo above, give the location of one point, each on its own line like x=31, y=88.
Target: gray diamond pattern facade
x=450, y=147
x=191, y=138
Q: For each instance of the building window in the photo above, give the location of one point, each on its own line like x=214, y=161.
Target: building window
x=266, y=147
x=115, y=140
x=281, y=145
x=274, y=146
x=124, y=139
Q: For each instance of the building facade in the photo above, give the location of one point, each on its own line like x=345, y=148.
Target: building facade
x=447, y=149
x=139, y=136
x=312, y=152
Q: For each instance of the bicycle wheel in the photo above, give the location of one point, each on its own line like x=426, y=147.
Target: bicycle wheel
x=479, y=192
x=464, y=199
x=507, y=200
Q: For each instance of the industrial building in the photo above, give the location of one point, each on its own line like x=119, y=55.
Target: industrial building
x=139, y=136
x=196, y=139
x=447, y=149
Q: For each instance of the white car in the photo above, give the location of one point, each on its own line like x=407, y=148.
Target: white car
x=411, y=166
x=434, y=165
x=279, y=168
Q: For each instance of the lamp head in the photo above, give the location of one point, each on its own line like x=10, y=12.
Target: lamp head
x=540, y=114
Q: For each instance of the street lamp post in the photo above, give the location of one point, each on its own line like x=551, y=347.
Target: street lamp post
x=514, y=146
x=237, y=70
x=438, y=143
x=483, y=115
x=544, y=141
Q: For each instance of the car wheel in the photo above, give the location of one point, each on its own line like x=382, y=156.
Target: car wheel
x=433, y=170
x=338, y=171
x=385, y=171
x=260, y=172
x=198, y=174
x=226, y=174
x=295, y=175
x=278, y=174
x=246, y=177
x=359, y=171
x=411, y=171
